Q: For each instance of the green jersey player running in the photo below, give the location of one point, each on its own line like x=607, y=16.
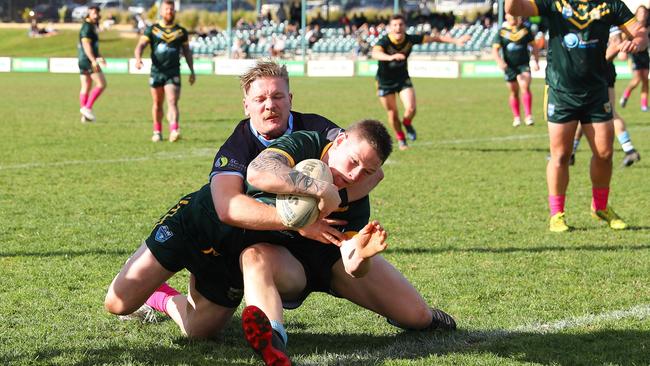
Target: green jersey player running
x=576, y=92
x=167, y=40
x=89, y=61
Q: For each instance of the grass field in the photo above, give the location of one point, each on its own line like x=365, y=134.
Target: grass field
x=465, y=209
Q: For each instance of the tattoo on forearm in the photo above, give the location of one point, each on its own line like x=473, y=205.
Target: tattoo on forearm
x=300, y=180
x=269, y=161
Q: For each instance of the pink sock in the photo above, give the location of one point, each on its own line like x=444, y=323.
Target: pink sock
x=157, y=126
x=528, y=103
x=514, y=105
x=626, y=93
x=644, y=102
x=600, y=197
x=173, y=126
x=406, y=121
x=401, y=136
x=158, y=300
x=93, y=97
x=83, y=98
x=556, y=203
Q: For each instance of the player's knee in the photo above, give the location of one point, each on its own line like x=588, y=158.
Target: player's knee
x=419, y=317
x=114, y=305
x=561, y=158
x=197, y=333
x=604, y=155
x=410, y=112
x=254, y=256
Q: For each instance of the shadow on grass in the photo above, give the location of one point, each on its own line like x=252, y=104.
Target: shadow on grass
x=594, y=248
x=621, y=347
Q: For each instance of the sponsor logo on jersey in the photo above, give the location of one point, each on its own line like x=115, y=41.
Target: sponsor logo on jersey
x=221, y=162
x=571, y=40
x=550, y=109
x=163, y=234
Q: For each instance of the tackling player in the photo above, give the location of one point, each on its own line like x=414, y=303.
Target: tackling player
x=392, y=51
x=513, y=40
x=167, y=40
x=576, y=92
x=89, y=64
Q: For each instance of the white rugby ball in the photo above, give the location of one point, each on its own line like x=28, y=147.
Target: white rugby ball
x=297, y=211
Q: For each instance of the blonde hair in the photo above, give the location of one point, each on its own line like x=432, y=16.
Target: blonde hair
x=263, y=69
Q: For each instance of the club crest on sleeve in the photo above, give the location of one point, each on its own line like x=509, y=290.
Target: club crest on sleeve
x=163, y=234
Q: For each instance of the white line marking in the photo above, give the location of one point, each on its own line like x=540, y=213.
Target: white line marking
x=435, y=342
x=159, y=156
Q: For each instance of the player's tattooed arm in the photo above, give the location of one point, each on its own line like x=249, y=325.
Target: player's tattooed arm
x=270, y=171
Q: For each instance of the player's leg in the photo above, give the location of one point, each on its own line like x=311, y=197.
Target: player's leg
x=173, y=94
x=385, y=291
x=523, y=80
x=271, y=274
x=622, y=135
x=513, y=100
x=100, y=85
x=157, y=95
x=601, y=138
x=407, y=95
x=389, y=102
x=197, y=316
x=643, y=76
x=86, y=83
x=137, y=280
x=561, y=137
x=634, y=82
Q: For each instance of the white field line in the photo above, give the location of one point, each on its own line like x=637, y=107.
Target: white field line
x=435, y=343
x=160, y=156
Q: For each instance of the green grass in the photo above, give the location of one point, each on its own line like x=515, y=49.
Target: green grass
x=16, y=43
x=465, y=209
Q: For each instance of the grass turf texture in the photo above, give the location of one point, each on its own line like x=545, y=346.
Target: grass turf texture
x=465, y=209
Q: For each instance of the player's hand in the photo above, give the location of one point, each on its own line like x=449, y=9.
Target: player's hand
x=462, y=40
x=192, y=78
x=371, y=240
x=329, y=200
x=398, y=57
x=502, y=65
x=535, y=66
x=628, y=46
x=138, y=64
x=322, y=231
x=101, y=61
x=95, y=66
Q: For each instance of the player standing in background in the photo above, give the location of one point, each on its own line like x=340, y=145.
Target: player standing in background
x=576, y=92
x=640, y=65
x=623, y=137
x=513, y=40
x=392, y=77
x=167, y=40
x=89, y=64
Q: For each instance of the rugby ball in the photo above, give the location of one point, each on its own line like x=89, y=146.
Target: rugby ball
x=297, y=211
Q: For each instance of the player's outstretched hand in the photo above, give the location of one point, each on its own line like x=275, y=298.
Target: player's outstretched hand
x=138, y=64
x=192, y=78
x=322, y=231
x=371, y=240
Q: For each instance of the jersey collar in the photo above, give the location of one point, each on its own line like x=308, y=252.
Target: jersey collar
x=162, y=24
x=267, y=142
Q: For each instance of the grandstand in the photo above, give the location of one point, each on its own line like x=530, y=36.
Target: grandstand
x=335, y=43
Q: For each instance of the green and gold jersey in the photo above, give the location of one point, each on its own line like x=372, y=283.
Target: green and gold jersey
x=88, y=31
x=166, y=46
x=303, y=145
x=578, y=35
x=395, y=71
x=513, y=41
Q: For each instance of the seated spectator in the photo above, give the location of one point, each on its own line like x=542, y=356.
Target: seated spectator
x=278, y=45
x=237, y=50
x=313, y=35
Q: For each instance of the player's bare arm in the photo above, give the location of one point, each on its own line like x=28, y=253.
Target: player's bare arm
x=535, y=53
x=270, y=171
x=142, y=43
x=187, y=52
x=497, y=57
x=357, y=251
x=637, y=37
x=446, y=39
x=613, y=47
x=524, y=8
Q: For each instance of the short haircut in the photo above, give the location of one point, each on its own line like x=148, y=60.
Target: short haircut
x=397, y=17
x=263, y=69
x=376, y=134
x=169, y=2
x=94, y=7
